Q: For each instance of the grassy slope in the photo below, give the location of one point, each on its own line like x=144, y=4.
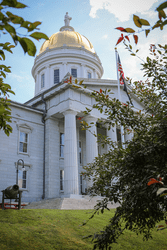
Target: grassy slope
x=60, y=229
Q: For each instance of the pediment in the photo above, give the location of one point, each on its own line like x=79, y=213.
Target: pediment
x=24, y=126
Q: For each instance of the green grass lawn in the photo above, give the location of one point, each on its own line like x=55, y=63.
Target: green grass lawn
x=61, y=229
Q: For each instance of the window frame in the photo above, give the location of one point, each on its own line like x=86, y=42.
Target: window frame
x=80, y=152
x=42, y=80
x=61, y=180
x=76, y=72
x=61, y=146
x=25, y=128
x=54, y=76
x=89, y=74
x=23, y=179
x=27, y=143
x=81, y=183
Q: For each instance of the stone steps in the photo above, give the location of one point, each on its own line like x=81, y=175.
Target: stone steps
x=66, y=204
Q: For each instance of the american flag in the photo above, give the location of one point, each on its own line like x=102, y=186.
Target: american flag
x=121, y=73
x=122, y=77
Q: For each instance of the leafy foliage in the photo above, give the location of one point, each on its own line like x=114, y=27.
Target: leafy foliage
x=8, y=24
x=139, y=22
x=122, y=174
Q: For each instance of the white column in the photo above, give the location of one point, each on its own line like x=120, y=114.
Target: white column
x=37, y=84
x=71, y=183
x=64, y=70
x=83, y=70
x=91, y=140
x=94, y=74
x=112, y=134
x=47, y=79
x=91, y=143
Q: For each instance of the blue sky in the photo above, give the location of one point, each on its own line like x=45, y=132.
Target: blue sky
x=95, y=19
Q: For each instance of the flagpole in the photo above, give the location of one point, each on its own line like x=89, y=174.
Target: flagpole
x=119, y=91
x=119, y=95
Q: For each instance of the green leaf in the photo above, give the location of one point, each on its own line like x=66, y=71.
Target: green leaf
x=20, y=5
x=2, y=54
x=136, y=21
x=129, y=30
x=156, y=25
x=147, y=32
x=162, y=6
x=164, y=23
x=39, y=35
x=10, y=3
x=31, y=49
x=1, y=16
x=13, y=4
x=162, y=13
x=3, y=74
x=144, y=22
x=14, y=18
x=37, y=23
x=26, y=24
x=80, y=83
x=23, y=44
x=10, y=29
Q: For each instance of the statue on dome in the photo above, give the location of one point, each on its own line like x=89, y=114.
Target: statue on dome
x=67, y=19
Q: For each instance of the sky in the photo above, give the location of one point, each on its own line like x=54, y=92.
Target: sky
x=95, y=19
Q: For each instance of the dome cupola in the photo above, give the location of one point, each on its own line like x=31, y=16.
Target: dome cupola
x=65, y=51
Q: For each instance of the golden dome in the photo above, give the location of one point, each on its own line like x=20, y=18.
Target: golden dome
x=68, y=38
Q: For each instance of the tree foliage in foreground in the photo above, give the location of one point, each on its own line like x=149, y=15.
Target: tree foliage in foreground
x=9, y=25
x=140, y=22
x=130, y=175
x=122, y=174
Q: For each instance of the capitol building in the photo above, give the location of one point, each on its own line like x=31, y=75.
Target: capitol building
x=47, y=135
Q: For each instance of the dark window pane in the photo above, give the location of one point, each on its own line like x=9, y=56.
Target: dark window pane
x=89, y=75
x=61, y=150
x=24, y=148
x=24, y=174
x=21, y=147
x=119, y=136
x=22, y=179
x=62, y=139
x=23, y=137
x=61, y=179
x=56, y=76
x=42, y=81
x=24, y=184
x=74, y=72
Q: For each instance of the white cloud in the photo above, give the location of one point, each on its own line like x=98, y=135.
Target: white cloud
x=19, y=78
x=121, y=9
x=105, y=36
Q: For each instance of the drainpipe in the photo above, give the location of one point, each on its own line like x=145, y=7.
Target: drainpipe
x=43, y=120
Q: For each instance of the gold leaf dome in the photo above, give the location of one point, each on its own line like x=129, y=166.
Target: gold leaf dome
x=67, y=37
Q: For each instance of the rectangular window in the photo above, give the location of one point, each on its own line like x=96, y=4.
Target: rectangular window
x=81, y=183
x=22, y=179
x=89, y=75
x=23, y=144
x=61, y=180
x=42, y=81
x=119, y=140
x=80, y=152
x=56, y=76
x=62, y=145
x=74, y=72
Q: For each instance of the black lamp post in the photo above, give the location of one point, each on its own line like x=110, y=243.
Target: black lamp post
x=17, y=171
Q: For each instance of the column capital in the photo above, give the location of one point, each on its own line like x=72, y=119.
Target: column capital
x=70, y=111
x=90, y=118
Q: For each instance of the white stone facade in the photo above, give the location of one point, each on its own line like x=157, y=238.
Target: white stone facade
x=55, y=151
